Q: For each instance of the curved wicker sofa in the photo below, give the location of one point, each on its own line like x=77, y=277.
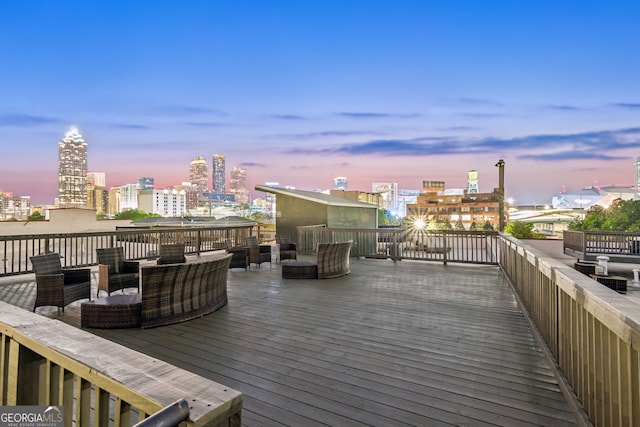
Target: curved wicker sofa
x=332, y=260
x=171, y=293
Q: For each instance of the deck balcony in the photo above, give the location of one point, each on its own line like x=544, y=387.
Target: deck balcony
x=398, y=342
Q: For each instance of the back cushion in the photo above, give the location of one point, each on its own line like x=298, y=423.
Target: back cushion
x=46, y=264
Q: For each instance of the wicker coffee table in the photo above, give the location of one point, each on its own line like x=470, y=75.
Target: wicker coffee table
x=114, y=311
x=300, y=270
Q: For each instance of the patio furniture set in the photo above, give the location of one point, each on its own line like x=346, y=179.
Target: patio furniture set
x=173, y=290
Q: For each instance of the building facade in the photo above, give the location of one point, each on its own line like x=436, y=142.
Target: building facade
x=389, y=193
x=145, y=183
x=473, y=210
x=218, y=174
x=167, y=203
x=340, y=183
x=199, y=174
x=72, y=170
x=238, y=184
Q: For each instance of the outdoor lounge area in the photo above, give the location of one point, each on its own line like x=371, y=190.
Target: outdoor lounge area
x=392, y=343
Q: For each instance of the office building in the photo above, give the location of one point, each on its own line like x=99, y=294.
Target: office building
x=238, y=184
x=97, y=194
x=167, y=203
x=72, y=170
x=128, y=197
x=340, y=183
x=199, y=174
x=218, y=174
x=145, y=183
x=472, y=211
x=389, y=193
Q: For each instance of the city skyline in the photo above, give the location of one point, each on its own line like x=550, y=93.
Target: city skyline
x=302, y=93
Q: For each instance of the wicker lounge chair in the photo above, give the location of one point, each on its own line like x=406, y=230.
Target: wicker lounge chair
x=172, y=254
x=57, y=286
x=114, y=272
x=332, y=260
x=288, y=250
x=258, y=253
x=240, y=254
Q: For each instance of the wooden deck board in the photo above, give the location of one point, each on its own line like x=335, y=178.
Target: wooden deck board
x=406, y=343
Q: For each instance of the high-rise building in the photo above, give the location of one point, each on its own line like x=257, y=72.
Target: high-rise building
x=97, y=194
x=340, y=183
x=145, y=183
x=473, y=182
x=238, y=184
x=218, y=174
x=199, y=174
x=72, y=170
x=128, y=197
x=389, y=193
x=96, y=179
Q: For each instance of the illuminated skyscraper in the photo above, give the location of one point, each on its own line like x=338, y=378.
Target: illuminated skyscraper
x=218, y=174
x=199, y=175
x=72, y=170
x=238, y=184
x=389, y=193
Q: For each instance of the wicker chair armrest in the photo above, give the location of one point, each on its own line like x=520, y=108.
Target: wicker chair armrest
x=130, y=267
x=45, y=281
x=238, y=250
x=76, y=275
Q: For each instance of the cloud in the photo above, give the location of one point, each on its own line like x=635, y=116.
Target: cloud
x=563, y=107
x=287, y=117
x=252, y=165
x=632, y=106
x=353, y=115
x=571, y=155
x=478, y=101
x=129, y=126
x=328, y=134
x=599, y=145
x=206, y=124
x=484, y=115
x=457, y=128
x=17, y=119
x=184, y=110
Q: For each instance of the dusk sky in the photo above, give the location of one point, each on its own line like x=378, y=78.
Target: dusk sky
x=300, y=92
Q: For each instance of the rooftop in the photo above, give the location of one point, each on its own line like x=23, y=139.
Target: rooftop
x=393, y=343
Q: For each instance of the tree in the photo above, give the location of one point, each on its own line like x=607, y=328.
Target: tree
x=459, y=224
x=622, y=215
x=522, y=230
x=36, y=216
x=133, y=214
x=487, y=226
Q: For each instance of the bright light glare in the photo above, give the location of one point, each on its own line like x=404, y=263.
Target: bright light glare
x=419, y=224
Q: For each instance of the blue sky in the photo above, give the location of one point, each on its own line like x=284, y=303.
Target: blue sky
x=302, y=92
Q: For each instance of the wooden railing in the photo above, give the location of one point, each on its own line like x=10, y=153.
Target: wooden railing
x=620, y=246
x=592, y=332
x=478, y=247
x=46, y=362
x=79, y=249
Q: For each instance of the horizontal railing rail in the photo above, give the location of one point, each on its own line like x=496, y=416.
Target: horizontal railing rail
x=592, y=243
x=591, y=331
x=45, y=362
x=478, y=247
x=79, y=249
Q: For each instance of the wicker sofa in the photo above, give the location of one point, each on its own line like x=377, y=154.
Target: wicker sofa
x=171, y=293
x=332, y=260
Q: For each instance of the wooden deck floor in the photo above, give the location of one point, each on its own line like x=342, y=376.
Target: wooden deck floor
x=406, y=343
